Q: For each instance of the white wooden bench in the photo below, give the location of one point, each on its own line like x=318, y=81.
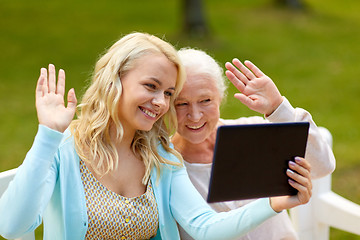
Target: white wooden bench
x=312, y=221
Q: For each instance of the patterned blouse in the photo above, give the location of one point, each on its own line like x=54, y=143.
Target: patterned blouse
x=112, y=216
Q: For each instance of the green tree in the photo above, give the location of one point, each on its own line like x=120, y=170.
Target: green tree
x=194, y=21
x=294, y=4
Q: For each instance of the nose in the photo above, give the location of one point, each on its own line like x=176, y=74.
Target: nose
x=195, y=113
x=159, y=100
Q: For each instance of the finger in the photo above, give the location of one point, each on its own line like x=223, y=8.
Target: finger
x=302, y=170
x=60, y=89
x=303, y=167
x=303, y=180
x=258, y=73
x=244, y=100
x=235, y=81
x=304, y=193
x=303, y=162
x=239, y=75
x=72, y=101
x=250, y=75
x=52, y=78
x=41, y=85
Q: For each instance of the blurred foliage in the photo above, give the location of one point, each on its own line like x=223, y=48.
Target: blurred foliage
x=312, y=56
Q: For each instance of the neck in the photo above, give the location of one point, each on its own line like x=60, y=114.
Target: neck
x=125, y=141
x=195, y=152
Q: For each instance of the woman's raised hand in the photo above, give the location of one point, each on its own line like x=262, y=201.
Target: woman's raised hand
x=257, y=91
x=50, y=105
x=299, y=174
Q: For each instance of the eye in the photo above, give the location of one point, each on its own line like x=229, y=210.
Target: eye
x=150, y=85
x=168, y=93
x=205, y=100
x=180, y=104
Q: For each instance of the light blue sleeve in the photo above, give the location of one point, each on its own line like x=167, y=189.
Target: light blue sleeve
x=201, y=222
x=22, y=204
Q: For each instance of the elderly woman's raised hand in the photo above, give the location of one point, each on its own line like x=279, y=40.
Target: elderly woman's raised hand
x=257, y=91
x=50, y=105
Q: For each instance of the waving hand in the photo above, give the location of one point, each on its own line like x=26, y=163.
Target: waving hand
x=50, y=105
x=257, y=91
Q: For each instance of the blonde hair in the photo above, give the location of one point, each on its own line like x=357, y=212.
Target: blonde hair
x=98, y=111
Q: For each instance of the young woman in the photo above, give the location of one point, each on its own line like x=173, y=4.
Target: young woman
x=198, y=116
x=111, y=173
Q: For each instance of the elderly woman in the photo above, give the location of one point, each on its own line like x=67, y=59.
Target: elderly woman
x=198, y=115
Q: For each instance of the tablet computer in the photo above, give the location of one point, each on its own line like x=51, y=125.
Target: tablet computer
x=250, y=161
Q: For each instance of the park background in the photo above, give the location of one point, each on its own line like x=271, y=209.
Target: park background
x=311, y=54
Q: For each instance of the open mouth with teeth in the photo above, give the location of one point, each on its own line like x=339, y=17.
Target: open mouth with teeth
x=148, y=113
x=195, y=127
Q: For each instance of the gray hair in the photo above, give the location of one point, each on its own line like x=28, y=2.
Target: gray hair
x=199, y=62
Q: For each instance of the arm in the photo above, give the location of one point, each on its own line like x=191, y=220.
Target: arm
x=197, y=218
x=259, y=93
x=23, y=203
x=201, y=222
x=318, y=151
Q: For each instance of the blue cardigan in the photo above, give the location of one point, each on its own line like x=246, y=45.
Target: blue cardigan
x=48, y=186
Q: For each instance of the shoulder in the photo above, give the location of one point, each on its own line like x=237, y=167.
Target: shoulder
x=166, y=154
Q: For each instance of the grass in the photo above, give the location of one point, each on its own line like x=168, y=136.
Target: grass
x=312, y=56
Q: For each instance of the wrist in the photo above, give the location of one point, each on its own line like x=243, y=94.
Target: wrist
x=275, y=106
x=274, y=205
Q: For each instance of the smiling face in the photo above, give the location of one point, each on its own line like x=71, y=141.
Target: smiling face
x=147, y=89
x=197, y=108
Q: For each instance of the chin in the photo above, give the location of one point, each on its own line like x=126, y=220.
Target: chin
x=195, y=140
x=145, y=129
x=145, y=125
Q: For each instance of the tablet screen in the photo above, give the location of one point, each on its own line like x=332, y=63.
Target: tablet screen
x=250, y=161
